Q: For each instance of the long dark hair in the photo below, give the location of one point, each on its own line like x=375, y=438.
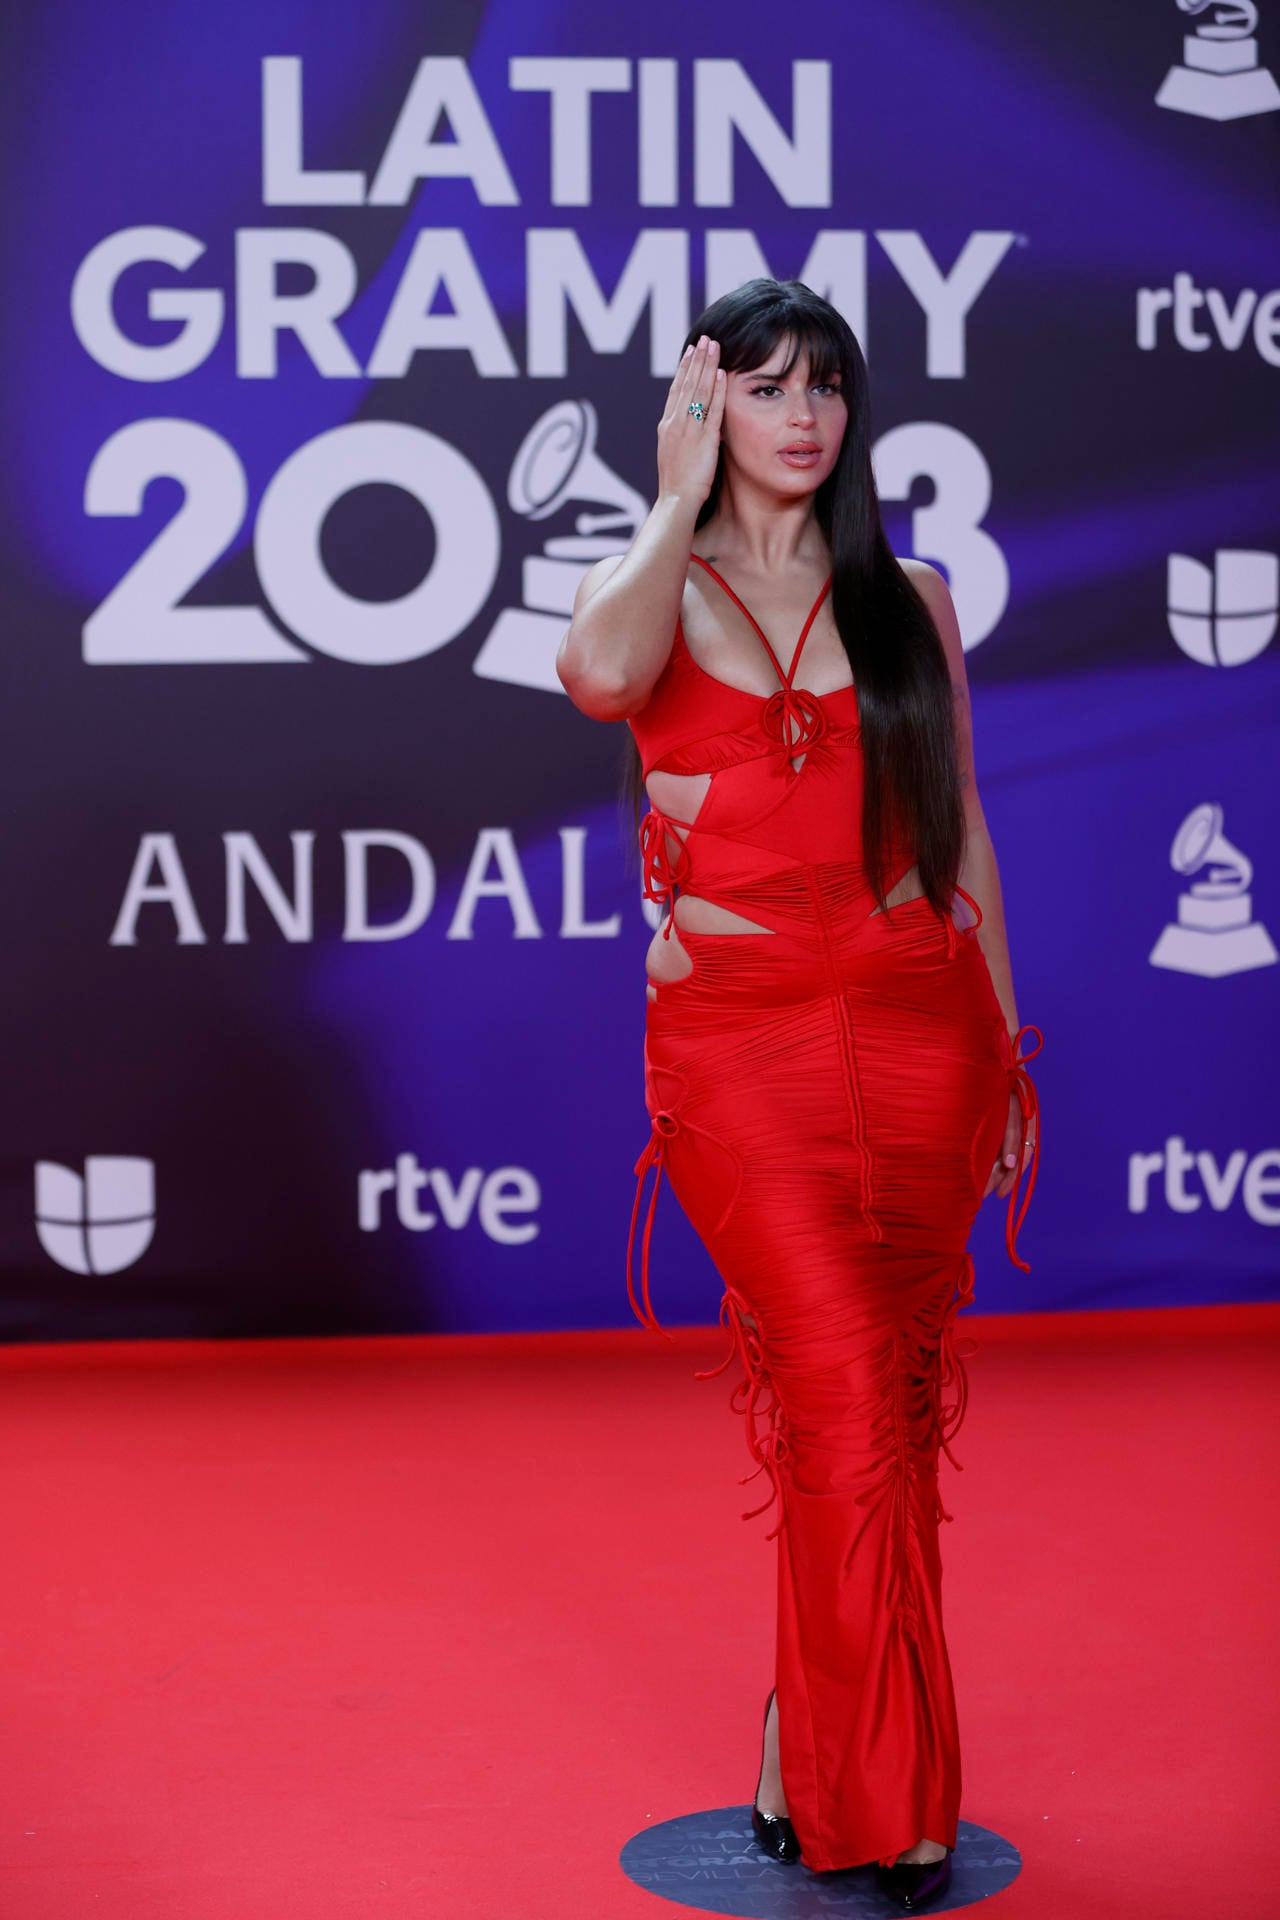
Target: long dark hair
x=906, y=710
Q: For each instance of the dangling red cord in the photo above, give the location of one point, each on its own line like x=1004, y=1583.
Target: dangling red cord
x=1029, y=1107
x=948, y=1415
x=663, y=1126
x=769, y=1449
x=661, y=875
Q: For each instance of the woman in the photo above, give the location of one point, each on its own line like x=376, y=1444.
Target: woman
x=832, y=1064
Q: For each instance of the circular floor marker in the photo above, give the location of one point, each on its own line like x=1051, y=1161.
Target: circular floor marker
x=710, y=1861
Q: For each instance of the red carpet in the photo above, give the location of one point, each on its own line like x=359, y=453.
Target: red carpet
x=432, y=1626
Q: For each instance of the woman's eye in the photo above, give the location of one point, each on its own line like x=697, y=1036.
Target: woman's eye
x=821, y=386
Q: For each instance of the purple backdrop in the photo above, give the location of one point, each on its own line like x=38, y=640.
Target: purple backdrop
x=335, y=345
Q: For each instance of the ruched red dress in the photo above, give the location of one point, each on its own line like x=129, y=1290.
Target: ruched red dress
x=827, y=1099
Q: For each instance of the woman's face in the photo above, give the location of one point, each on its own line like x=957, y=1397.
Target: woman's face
x=783, y=431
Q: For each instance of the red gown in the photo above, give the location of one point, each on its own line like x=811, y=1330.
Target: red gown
x=827, y=1100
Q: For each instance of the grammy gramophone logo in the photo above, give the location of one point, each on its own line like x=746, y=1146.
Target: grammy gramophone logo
x=556, y=463
x=1220, y=78
x=1215, y=932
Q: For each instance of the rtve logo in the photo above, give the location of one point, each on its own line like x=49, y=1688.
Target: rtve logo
x=1225, y=615
x=1229, y=323
x=101, y=1223
x=1257, y=1180
x=491, y=1198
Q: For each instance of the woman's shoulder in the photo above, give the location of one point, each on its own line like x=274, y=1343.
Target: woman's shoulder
x=925, y=577
x=932, y=586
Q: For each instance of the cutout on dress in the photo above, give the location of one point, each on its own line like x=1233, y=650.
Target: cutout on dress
x=908, y=888
x=963, y=914
x=666, y=963
x=681, y=798
x=697, y=915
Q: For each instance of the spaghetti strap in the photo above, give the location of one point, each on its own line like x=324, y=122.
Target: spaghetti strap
x=786, y=678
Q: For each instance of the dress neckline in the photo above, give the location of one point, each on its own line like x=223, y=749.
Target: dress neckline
x=788, y=678
x=750, y=693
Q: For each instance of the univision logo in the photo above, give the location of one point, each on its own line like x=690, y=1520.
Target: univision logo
x=101, y=1222
x=1225, y=615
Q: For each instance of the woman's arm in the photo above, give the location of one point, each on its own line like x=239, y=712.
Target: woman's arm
x=626, y=607
x=979, y=874
x=625, y=613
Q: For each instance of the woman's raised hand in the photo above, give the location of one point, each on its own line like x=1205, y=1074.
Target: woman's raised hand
x=689, y=446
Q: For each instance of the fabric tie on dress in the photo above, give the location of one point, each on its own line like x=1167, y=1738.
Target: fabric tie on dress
x=954, y=935
x=795, y=718
x=770, y=1447
x=1029, y=1107
x=660, y=874
x=664, y=1124
x=766, y=1423
x=951, y=1376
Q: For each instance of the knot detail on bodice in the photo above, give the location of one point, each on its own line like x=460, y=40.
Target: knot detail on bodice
x=796, y=719
x=793, y=717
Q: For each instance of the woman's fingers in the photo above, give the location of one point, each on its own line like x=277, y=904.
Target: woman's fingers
x=679, y=382
x=704, y=376
x=719, y=387
x=1018, y=1130
x=1005, y=1177
x=698, y=375
x=689, y=431
x=1013, y=1131
x=676, y=389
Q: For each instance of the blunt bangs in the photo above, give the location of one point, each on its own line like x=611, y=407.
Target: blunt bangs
x=756, y=319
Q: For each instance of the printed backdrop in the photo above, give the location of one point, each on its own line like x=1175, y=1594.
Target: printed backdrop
x=334, y=343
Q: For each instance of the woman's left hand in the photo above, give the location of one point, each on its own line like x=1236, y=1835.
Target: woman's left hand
x=1005, y=1170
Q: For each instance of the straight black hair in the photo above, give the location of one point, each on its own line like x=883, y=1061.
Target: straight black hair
x=906, y=702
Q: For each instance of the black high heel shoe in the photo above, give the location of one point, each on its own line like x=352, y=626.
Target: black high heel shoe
x=913, y=1884
x=774, y=1833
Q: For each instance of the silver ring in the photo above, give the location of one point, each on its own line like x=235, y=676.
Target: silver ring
x=697, y=409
